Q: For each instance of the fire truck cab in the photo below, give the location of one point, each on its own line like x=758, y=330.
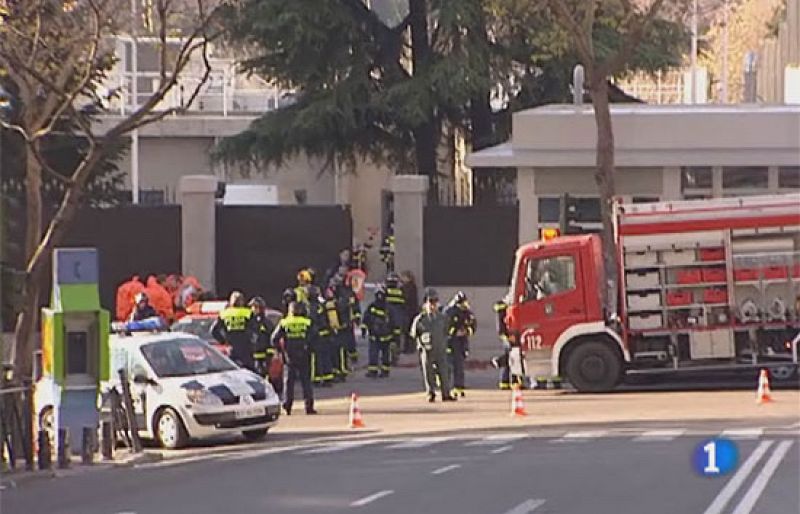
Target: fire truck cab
x=703, y=285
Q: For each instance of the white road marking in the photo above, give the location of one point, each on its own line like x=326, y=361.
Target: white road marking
x=581, y=436
x=526, y=507
x=371, y=498
x=251, y=454
x=337, y=447
x=735, y=483
x=743, y=433
x=420, y=442
x=497, y=439
x=175, y=462
x=445, y=469
x=660, y=435
x=752, y=495
x=502, y=449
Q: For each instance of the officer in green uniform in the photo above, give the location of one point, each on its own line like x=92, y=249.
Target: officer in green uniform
x=233, y=327
x=293, y=335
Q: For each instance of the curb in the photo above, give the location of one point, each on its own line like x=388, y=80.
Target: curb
x=133, y=459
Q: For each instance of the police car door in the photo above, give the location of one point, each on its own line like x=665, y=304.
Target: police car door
x=137, y=369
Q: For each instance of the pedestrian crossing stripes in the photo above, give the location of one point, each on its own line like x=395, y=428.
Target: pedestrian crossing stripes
x=660, y=435
x=743, y=433
x=496, y=443
x=419, y=442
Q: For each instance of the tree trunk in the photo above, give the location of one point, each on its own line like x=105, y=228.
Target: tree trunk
x=604, y=177
x=26, y=321
x=22, y=353
x=427, y=135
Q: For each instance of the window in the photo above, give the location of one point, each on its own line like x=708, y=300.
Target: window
x=696, y=177
x=745, y=177
x=549, y=210
x=789, y=177
x=645, y=199
x=549, y=276
x=587, y=210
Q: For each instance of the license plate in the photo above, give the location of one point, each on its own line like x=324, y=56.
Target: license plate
x=252, y=412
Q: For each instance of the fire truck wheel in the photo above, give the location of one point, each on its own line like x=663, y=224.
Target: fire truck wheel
x=783, y=373
x=593, y=367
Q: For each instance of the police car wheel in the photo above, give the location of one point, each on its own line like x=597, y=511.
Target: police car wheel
x=169, y=429
x=255, y=435
x=593, y=367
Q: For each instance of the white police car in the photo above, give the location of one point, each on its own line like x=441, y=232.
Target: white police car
x=183, y=388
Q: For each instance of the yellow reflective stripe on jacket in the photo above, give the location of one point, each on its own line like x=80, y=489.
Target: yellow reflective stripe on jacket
x=235, y=318
x=296, y=327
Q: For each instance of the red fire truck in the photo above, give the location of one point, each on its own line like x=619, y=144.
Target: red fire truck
x=704, y=285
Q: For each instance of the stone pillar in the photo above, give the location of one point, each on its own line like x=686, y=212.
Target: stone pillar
x=716, y=182
x=198, y=228
x=410, y=193
x=528, y=206
x=671, y=183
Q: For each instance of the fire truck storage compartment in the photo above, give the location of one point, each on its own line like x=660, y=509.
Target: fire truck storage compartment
x=679, y=297
x=712, y=344
x=712, y=254
x=764, y=290
x=689, y=276
x=644, y=301
x=640, y=259
x=645, y=321
x=678, y=257
x=714, y=274
x=715, y=295
x=642, y=280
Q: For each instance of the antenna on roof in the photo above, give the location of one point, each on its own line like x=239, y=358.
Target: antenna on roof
x=577, y=85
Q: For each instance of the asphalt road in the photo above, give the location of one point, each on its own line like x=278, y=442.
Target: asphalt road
x=600, y=471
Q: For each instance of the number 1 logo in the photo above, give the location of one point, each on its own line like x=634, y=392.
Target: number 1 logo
x=715, y=457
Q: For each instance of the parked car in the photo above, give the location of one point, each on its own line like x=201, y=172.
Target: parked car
x=182, y=389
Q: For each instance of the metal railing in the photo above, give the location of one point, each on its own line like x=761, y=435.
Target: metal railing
x=16, y=425
x=218, y=96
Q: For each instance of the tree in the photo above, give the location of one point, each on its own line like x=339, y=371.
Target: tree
x=387, y=88
x=604, y=57
x=58, y=54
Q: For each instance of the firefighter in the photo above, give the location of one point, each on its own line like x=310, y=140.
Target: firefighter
x=293, y=335
x=380, y=323
x=321, y=367
x=304, y=280
x=261, y=329
x=338, y=355
x=142, y=308
x=503, y=362
x=461, y=328
x=288, y=296
x=233, y=327
x=387, y=252
x=350, y=317
x=429, y=330
x=396, y=300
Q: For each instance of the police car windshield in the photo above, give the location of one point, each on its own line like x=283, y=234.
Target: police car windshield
x=184, y=357
x=200, y=327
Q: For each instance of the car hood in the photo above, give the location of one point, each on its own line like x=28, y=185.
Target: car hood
x=229, y=386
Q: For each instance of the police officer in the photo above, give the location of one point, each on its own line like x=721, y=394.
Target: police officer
x=396, y=300
x=379, y=322
x=321, y=367
x=429, y=330
x=293, y=335
x=233, y=327
x=261, y=329
x=461, y=328
x=142, y=308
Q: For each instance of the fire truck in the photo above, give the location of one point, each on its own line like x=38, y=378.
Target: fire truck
x=703, y=285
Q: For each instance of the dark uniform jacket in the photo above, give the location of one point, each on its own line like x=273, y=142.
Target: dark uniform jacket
x=379, y=321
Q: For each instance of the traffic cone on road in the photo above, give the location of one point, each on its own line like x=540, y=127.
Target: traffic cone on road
x=517, y=403
x=356, y=421
x=763, y=395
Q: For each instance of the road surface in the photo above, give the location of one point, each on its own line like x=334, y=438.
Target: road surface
x=604, y=470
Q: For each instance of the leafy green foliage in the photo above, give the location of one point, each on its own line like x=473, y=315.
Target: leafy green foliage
x=355, y=90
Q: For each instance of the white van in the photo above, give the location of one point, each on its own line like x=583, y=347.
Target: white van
x=182, y=389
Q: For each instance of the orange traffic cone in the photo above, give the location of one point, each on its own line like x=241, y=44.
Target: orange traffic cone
x=355, y=413
x=517, y=404
x=763, y=395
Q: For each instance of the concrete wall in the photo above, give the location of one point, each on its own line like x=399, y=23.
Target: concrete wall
x=580, y=181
